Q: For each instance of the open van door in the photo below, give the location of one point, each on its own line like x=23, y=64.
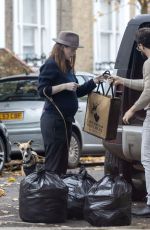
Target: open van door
x=129, y=63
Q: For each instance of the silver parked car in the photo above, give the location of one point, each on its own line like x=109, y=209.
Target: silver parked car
x=21, y=109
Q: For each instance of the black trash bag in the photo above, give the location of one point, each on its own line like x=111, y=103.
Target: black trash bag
x=78, y=185
x=108, y=202
x=43, y=198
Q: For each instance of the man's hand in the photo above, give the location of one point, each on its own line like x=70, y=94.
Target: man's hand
x=128, y=115
x=116, y=80
x=72, y=86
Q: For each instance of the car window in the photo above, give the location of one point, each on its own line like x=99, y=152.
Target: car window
x=81, y=79
x=19, y=90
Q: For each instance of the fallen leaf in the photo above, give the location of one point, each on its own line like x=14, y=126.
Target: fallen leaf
x=9, y=205
x=90, y=159
x=4, y=211
x=8, y=184
x=2, y=185
x=11, y=179
x=17, y=173
x=15, y=199
x=6, y=216
x=2, y=192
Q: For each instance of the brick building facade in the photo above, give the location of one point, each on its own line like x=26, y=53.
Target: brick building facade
x=77, y=16
x=85, y=17
x=9, y=24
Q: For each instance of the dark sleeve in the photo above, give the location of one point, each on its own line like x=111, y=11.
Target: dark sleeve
x=86, y=88
x=48, y=73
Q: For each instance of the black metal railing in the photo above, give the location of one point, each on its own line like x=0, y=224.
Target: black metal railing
x=34, y=60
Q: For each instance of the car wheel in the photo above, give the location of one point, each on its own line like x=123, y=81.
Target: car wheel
x=114, y=165
x=2, y=154
x=74, y=151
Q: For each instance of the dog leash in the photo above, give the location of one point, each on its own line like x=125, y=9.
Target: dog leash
x=54, y=104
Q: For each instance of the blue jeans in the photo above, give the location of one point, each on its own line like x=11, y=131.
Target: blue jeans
x=145, y=152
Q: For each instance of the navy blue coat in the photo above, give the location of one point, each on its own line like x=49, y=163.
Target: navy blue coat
x=50, y=75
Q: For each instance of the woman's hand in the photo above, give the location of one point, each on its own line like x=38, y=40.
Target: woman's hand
x=72, y=86
x=98, y=79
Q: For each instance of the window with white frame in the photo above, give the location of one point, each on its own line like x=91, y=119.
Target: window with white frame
x=110, y=20
x=32, y=27
x=106, y=32
x=2, y=23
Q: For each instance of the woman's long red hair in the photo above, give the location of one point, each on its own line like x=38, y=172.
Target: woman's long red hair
x=58, y=55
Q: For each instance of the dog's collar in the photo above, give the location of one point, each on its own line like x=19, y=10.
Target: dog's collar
x=27, y=162
x=30, y=162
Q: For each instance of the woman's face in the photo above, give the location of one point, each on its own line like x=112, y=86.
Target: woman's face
x=69, y=52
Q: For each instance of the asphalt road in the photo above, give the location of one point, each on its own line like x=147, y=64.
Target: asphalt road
x=9, y=215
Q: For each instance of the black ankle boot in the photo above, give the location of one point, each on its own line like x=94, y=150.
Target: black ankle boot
x=141, y=212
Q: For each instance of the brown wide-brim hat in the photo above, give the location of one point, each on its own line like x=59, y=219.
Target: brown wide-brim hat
x=68, y=38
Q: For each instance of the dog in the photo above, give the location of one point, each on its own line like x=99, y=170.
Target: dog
x=30, y=159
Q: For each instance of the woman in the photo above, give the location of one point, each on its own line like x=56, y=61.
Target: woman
x=57, y=80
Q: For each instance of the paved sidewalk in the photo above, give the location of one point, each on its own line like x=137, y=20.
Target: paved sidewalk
x=9, y=208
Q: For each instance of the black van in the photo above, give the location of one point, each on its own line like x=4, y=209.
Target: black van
x=123, y=154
